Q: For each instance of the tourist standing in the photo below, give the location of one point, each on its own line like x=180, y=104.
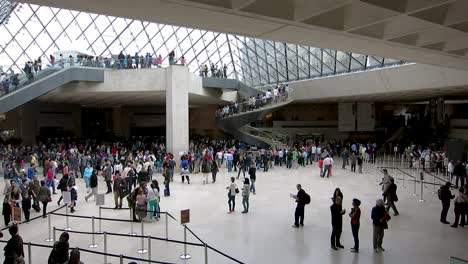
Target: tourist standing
x=461, y=202
x=245, y=195
x=379, y=221
x=253, y=177
x=44, y=197
x=392, y=197
x=445, y=195
x=337, y=213
x=232, y=191
x=355, y=223
x=301, y=198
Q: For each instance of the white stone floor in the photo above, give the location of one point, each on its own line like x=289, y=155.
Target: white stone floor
x=265, y=235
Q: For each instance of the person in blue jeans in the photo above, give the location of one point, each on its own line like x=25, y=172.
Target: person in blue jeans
x=87, y=175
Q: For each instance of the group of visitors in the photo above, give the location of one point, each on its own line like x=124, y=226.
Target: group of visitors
x=215, y=72
x=379, y=216
x=275, y=95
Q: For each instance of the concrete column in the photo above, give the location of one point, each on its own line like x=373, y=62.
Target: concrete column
x=77, y=120
x=117, y=120
x=177, y=110
x=27, y=123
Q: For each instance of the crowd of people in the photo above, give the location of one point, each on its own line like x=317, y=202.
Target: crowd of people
x=128, y=168
x=274, y=95
x=215, y=72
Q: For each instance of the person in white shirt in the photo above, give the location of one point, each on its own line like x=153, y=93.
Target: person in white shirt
x=275, y=94
x=314, y=152
x=319, y=153
x=281, y=157
x=232, y=191
x=450, y=168
x=327, y=164
x=219, y=158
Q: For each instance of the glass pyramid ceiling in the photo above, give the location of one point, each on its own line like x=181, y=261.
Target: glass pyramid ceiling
x=31, y=31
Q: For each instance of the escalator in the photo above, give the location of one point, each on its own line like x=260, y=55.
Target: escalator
x=238, y=124
x=46, y=81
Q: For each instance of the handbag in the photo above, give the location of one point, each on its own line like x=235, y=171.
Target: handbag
x=237, y=190
x=49, y=199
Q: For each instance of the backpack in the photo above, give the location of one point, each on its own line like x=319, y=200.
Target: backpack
x=439, y=193
x=306, y=198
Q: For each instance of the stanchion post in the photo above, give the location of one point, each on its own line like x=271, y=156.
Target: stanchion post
x=142, y=250
x=121, y=259
x=185, y=255
x=421, y=198
x=49, y=223
x=415, y=178
x=29, y=253
x=53, y=236
x=167, y=227
x=100, y=222
x=149, y=249
x=433, y=183
x=206, y=253
x=66, y=219
x=132, y=233
x=93, y=235
x=105, y=246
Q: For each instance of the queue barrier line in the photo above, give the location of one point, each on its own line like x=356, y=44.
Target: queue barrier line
x=203, y=244
x=35, y=218
x=225, y=255
x=93, y=252
x=135, y=236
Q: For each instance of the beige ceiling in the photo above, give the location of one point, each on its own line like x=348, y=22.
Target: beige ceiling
x=424, y=31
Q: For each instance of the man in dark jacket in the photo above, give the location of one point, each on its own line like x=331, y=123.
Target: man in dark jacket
x=300, y=200
x=337, y=213
x=59, y=253
x=14, y=246
x=460, y=172
x=445, y=196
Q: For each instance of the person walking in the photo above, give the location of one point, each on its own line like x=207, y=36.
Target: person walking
x=107, y=173
x=73, y=195
x=253, y=177
x=119, y=186
x=26, y=199
x=93, y=183
x=153, y=197
x=327, y=163
x=88, y=171
x=355, y=215
x=359, y=163
x=44, y=197
x=445, y=195
x=337, y=213
x=51, y=179
x=59, y=253
x=214, y=171
x=185, y=175
x=460, y=172
x=245, y=195
x=385, y=184
x=302, y=198
x=379, y=218
x=392, y=197
x=461, y=202
x=63, y=187
x=353, y=162
x=232, y=191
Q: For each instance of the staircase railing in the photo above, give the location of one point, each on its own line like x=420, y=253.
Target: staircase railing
x=254, y=105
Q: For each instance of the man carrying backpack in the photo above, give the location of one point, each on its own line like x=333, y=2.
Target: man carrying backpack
x=302, y=198
x=445, y=195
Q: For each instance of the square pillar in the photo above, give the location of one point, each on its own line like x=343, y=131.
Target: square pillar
x=177, y=110
x=117, y=121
